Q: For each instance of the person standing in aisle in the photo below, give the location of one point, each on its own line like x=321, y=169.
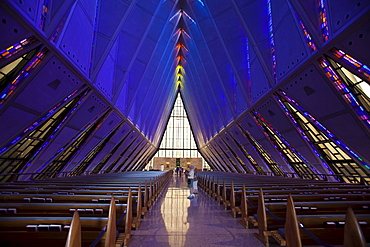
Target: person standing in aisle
x=195, y=181
x=180, y=171
x=190, y=182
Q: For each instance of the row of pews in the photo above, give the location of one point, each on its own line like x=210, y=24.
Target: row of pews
x=96, y=210
x=292, y=211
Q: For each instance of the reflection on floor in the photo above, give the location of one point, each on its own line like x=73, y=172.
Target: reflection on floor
x=178, y=221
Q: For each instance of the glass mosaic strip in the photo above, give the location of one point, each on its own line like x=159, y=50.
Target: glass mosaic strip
x=272, y=41
x=322, y=128
x=292, y=157
x=44, y=14
x=17, y=47
x=307, y=36
x=360, y=67
x=36, y=123
x=265, y=157
x=345, y=90
x=323, y=20
x=23, y=75
x=49, y=139
x=63, y=156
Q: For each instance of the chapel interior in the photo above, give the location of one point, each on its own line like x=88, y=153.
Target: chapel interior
x=112, y=97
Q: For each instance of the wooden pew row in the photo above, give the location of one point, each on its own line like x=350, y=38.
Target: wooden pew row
x=219, y=191
x=151, y=192
x=260, y=181
x=135, y=176
x=301, y=230
x=87, y=183
x=68, y=186
x=61, y=198
x=70, y=190
x=270, y=181
x=83, y=195
x=305, y=199
x=66, y=191
x=304, y=204
x=301, y=190
x=234, y=197
x=87, y=204
x=57, y=209
x=45, y=207
x=51, y=231
x=300, y=202
x=225, y=194
x=321, y=224
x=314, y=220
x=256, y=186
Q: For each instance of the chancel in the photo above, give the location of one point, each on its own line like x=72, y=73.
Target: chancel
x=106, y=104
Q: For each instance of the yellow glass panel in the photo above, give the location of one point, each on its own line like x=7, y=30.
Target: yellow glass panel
x=344, y=154
x=6, y=69
x=331, y=148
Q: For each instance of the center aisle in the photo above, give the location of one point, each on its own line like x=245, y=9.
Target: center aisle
x=177, y=221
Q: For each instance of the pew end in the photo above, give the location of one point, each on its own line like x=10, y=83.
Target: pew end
x=291, y=228
x=263, y=234
x=110, y=234
x=353, y=235
x=74, y=234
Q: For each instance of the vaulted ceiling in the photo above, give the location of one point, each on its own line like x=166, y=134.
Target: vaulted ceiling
x=230, y=59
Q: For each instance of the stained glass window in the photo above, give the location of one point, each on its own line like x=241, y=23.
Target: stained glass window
x=61, y=159
x=22, y=150
x=100, y=167
x=275, y=168
x=294, y=159
x=178, y=140
x=86, y=161
x=326, y=146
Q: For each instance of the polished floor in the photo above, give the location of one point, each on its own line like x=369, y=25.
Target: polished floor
x=177, y=221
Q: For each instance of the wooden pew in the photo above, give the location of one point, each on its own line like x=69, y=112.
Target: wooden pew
x=136, y=220
x=295, y=235
x=353, y=235
x=268, y=226
x=316, y=203
x=262, y=221
x=253, y=200
x=87, y=196
x=282, y=195
x=9, y=226
x=74, y=234
x=57, y=209
x=314, y=206
x=19, y=231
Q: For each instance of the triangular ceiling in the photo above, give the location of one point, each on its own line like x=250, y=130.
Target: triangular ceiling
x=202, y=46
x=225, y=55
